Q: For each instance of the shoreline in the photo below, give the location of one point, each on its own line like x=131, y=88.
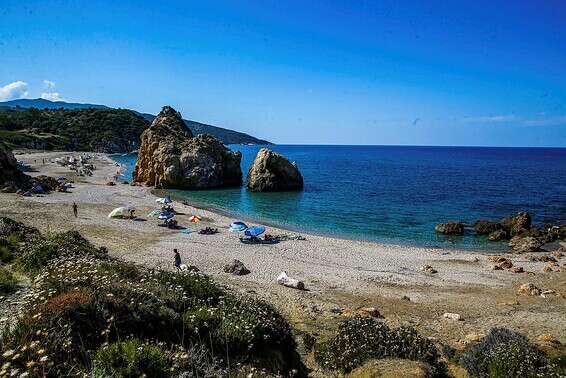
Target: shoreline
x=206, y=207
x=339, y=274
x=490, y=247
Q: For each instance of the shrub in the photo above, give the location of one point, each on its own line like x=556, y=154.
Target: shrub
x=37, y=250
x=360, y=339
x=7, y=281
x=9, y=247
x=504, y=353
x=130, y=358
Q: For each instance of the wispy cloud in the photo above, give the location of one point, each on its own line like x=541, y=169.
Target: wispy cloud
x=548, y=121
x=49, y=84
x=541, y=119
x=51, y=96
x=50, y=93
x=15, y=90
x=492, y=118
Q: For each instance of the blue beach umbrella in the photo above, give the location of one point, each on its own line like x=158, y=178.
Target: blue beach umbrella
x=254, y=231
x=237, y=226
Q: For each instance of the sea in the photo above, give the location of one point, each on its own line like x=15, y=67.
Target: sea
x=397, y=194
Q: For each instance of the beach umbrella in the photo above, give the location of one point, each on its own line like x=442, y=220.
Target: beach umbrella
x=164, y=200
x=117, y=212
x=154, y=213
x=237, y=226
x=194, y=219
x=254, y=231
x=165, y=215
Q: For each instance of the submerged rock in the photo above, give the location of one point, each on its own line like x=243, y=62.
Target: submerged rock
x=486, y=227
x=498, y=235
x=272, y=172
x=450, y=228
x=170, y=157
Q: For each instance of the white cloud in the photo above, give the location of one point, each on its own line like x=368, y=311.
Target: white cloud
x=49, y=84
x=51, y=96
x=50, y=93
x=15, y=90
x=541, y=119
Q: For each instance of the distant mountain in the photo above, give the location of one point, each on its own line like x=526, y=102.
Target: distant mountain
x=225, y=135
x=40, y=103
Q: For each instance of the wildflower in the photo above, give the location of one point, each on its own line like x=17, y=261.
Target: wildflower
x=8, y=353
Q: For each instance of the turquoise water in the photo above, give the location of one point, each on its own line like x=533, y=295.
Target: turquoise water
x=397, y=194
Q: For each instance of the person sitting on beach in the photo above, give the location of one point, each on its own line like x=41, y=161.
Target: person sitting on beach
x=132, y=215
x=177, y=259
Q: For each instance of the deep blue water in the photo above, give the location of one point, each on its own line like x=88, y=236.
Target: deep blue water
x=397, y=194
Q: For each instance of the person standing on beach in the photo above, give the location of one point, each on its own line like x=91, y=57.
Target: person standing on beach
x=177, y=259
x=75, y=209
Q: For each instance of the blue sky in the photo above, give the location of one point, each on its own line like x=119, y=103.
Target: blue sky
x=489, y=73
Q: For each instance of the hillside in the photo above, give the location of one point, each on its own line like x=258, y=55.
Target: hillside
x=99, y=130
x=225, y=135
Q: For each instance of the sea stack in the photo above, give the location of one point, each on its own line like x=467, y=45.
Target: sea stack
x=272, y=172
x=171, y=157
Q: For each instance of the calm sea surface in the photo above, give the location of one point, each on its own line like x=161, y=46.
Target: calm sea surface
x=397, y=194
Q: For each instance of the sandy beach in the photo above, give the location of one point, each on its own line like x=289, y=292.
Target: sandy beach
x=339, y=274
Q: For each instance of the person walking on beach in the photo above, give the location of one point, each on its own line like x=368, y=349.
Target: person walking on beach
x=177, y=259
x=75, y=209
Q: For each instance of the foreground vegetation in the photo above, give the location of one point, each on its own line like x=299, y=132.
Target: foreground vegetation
x=87, y=314
x=99, y=130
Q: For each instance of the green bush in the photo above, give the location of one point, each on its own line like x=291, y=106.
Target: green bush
x=504, y=353
x=38, y=250
x=360, y=339
x=9, y=247
x=7, y=281
x=82, y=299
x=130, y=359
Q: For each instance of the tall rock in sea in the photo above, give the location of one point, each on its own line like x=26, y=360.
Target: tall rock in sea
x=272, y=172
x=171, y=157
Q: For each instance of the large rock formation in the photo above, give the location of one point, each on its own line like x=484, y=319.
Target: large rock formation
x=170, y=157
x=11, y=178
x=272, y=172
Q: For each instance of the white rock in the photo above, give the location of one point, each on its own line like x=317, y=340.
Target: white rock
x=452, y=316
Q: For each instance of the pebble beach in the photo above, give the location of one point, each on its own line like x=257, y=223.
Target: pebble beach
x=339, y=275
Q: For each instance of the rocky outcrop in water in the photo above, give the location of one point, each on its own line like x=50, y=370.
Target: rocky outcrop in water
x=450, y=228
x=486, y=227
x=273, y=172
x=516, y=224
x=171, y=157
